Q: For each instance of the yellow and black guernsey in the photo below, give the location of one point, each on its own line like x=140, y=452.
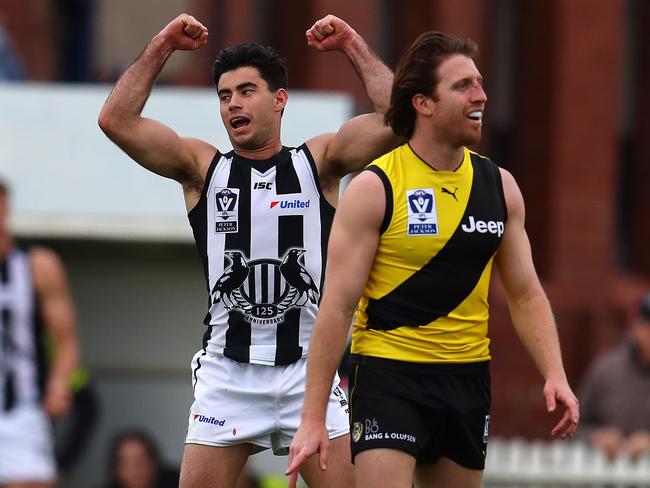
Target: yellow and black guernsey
x=426, y=296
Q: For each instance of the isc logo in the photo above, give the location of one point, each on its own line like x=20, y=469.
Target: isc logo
x=263, y=185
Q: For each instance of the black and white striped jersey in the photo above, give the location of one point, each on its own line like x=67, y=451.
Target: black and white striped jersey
x=261, y=228
x=21, y=351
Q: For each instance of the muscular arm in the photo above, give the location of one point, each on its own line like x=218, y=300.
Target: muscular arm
x=530, y=310
x=149, y=142
x=58, y=316
x=352, y=246
x=363, y=138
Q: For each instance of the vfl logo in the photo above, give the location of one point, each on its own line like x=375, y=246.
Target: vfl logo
x=444, y=190
x=422, y=215
x=226, y=200
x=263, y=289
x=357, y=431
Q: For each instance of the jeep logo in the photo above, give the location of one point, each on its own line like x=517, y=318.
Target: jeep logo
x=482, y=227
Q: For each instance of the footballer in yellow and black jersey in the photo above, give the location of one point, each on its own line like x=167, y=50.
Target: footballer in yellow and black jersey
x=425, y=300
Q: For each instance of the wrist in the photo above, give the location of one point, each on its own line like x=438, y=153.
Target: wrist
x=353, y=44
x=161, y=46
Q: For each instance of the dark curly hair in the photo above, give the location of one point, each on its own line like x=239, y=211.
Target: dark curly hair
x=272, y=67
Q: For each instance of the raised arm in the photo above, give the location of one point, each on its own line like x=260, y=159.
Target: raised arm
x=531, y=312
x=149, y=142
x=58, y=316
x=365, y=137
x=352, y=247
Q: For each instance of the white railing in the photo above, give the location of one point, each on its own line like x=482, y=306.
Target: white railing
x=519, y=463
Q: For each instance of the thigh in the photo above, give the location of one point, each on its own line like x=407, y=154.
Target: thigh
x=385, y=413
x=467, y=421
x=339, y=472
x=290, y=401
x=233, y=403
x=445, y=473
x=206, y=466
x=384, y=467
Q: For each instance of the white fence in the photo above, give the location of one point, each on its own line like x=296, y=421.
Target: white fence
x=518, y=463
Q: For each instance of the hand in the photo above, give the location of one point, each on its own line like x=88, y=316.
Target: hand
x=330, y=34
x=310, y=439
x=638, y=444
x=185, y=33
x=560, y=392
x=57, y=399
x=609, y=440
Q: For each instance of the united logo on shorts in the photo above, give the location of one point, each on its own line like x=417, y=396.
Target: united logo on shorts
x=357, y=431
x=263, y=289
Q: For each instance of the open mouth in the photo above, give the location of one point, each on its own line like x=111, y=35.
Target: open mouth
x=475, y=115
x=239, y=122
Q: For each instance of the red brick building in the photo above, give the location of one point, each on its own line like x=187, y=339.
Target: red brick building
x=566, y=85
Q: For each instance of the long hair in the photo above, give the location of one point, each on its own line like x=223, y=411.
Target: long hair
x=417, y=72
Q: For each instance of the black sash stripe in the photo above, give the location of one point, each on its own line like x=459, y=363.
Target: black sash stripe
x=238, y=336
x=451, y=275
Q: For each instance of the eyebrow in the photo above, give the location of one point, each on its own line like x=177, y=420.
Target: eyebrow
x=240, y=87
x=468, y=78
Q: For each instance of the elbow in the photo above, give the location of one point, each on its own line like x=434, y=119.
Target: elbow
x=106, y=122
x=111, y=123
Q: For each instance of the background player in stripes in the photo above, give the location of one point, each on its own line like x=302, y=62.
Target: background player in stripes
x=268, y=207
x=417, y=260
x=34, y=301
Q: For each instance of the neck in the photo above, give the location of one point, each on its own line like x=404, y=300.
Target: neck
x=439, y=155
x=263, y=152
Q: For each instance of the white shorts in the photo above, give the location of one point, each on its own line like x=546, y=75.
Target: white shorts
x=236, y=403
x=26, y=446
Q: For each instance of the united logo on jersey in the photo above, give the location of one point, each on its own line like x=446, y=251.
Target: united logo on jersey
x=263, y=289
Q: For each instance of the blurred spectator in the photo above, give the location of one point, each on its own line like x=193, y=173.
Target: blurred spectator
x=11, y=67
x=134, y=462
x=615, y=394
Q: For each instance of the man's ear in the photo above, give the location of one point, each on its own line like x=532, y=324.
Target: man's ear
x=423, y=104
x=280, y=99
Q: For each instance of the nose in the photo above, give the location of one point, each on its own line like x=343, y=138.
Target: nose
x=478, y=94
x=234, y=102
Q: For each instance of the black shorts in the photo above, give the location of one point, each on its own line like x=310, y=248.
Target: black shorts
x=427, y=410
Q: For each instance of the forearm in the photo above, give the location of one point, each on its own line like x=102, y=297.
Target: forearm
x=65, y=362
x=132, y=90
x=325, y=352
x=534, y=323
x=376, y=77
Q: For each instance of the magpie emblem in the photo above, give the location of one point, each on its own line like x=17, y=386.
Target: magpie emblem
x=264, y=289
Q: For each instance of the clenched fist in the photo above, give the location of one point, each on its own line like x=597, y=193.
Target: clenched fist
x=330, y=34
x=185, y=33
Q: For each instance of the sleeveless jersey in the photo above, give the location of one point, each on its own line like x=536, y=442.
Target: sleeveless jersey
x=261, y=228
x=22, y=366
x=426, y=296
